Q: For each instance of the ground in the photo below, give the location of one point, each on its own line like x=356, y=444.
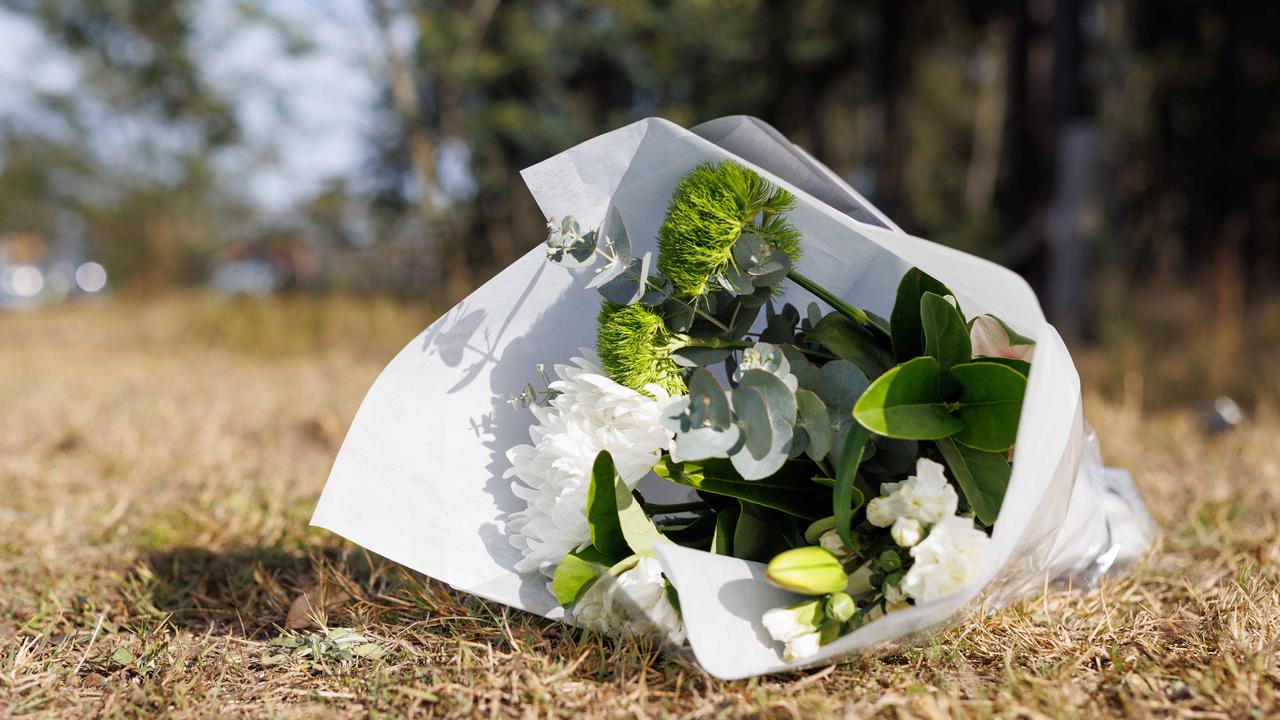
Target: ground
x=159, y=461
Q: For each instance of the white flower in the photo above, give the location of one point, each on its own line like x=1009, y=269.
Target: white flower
x=591, y=413
x=894, y=596
x=990, y=339
x=802, y=647
x=945, y=561
x=880, y=511
x=907, y=531
x=635, y=602
x=831, y=542
x=926, y=497
x=786, y=623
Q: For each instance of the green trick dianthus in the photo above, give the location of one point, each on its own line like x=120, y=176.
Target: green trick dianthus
x=635, y=348
x=707, y=214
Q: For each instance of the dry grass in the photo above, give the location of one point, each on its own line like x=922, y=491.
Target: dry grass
x=158, y=465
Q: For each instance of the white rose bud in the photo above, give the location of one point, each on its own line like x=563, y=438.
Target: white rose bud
x=907, y=531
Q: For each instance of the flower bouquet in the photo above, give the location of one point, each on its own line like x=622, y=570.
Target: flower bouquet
x=773, y=426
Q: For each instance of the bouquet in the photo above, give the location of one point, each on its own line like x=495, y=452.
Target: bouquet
x=774, y=426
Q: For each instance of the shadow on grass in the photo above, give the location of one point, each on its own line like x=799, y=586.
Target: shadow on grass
x=244, y=591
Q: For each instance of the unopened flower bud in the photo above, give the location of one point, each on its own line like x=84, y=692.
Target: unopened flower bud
x=784, y=624
x=807, y=570
x=907, y=531
x=840, y=607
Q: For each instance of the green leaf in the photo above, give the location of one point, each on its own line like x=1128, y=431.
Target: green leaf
x=983, y=477
x=845, y=498
x=1022, y=367
x=573, y=576
x=602, y=509
x=849, y=341
x=989, y=406
x=905, y=403
x=817, y=425
x=946, y=337
x=699, y=356
x=718, y=478
x=726, y=521
x=619, y=525
x=637, y=528
x=904, y=320
x=753, y=420
x=1015, y=338
x=754, y=535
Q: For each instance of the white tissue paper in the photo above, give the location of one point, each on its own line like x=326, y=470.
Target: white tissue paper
x=419, y=478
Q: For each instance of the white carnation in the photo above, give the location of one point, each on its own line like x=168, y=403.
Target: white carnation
x=907, y=531
x=802, y=647
x=590, y=413
x=945, y=561
x=786, y=623
x=831, y=542
x=926, y=497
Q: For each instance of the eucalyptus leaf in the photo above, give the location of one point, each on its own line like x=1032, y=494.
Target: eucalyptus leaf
x=616, y=239
x=808, y=374
x=904, y=321
x=983, y=477
x=780, y=407
x=850, y=341
x=753, y=419
x=946, y=337
x=629, y=286
x=656, y=291
x=709, y=406
x=813, y=418
x=989, y=406
x=699, y=356
x=905, y=403
x=568, y=246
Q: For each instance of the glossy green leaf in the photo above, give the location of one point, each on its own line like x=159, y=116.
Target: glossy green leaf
x=989, y=406
x=1022, y=367
x=946, y=337
x=719, y=478
x=905, y=403
x=904, y=320
x=722, y=539
x=845, y=498
x=983, y=477
x=572, y=577
x=602, y=509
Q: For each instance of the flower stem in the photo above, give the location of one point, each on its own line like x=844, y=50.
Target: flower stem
x=824, y=295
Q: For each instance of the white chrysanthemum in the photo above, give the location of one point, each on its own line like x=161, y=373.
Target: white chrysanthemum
x=591, y=413
x=634, y=602
x=945, y=561
x=926, y=497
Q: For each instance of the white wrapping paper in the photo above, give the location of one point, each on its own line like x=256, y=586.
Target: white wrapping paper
x=419, y=477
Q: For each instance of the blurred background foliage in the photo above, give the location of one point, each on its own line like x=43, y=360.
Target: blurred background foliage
x=1120, y=154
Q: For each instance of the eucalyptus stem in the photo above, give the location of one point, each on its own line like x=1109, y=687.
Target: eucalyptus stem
x=719, y=343
x=824, y=295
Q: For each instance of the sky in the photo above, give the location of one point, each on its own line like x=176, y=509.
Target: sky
x=305, y=117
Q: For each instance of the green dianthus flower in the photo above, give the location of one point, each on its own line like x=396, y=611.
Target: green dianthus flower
x=635, y=348
x=708, y=212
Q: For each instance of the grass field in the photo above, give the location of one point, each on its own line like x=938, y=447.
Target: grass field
x=159, y=462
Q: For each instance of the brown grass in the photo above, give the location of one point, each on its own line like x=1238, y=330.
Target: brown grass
x=159, y=462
